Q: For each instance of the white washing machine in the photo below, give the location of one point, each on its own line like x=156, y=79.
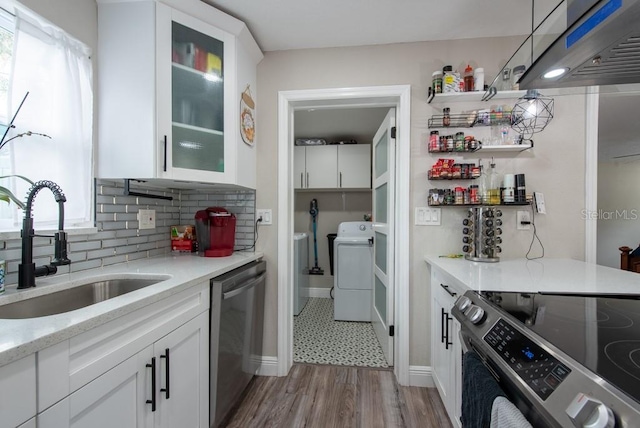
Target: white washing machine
x=300, y=271
x=353, y=271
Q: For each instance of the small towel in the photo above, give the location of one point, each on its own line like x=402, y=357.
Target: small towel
x=504, y=414
x=479, y=390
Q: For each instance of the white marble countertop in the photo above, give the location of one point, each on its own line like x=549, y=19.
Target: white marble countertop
x=22, y=337
x=541, y=275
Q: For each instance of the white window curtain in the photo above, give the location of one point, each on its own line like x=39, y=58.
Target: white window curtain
x=55, y=69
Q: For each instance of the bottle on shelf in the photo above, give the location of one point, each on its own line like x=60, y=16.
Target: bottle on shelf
x=494, y=185
x=483, y=187
x=446, y=116
x=478, y=79
x=468, y=79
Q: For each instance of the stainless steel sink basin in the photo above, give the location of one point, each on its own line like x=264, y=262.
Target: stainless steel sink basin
x=73, y=298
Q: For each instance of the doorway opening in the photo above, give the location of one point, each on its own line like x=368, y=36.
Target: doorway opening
x=334, y=305
x=291, y=102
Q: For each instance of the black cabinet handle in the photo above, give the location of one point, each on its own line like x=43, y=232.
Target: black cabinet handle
x=166, y=373
x=165, y=154
x=446, y=288
x=447, y=343
x=153, y=384
x=443, y=315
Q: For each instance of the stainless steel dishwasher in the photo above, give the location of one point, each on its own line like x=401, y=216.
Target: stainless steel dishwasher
x=237, y=316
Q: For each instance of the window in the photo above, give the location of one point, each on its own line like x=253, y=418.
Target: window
x=51, y=137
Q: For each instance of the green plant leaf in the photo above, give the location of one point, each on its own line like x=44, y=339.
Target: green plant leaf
x=18, y=176
x=6, y=195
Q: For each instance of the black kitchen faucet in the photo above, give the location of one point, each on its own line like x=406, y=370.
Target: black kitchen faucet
x=27, y=270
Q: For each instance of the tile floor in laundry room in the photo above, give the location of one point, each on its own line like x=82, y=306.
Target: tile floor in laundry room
x=318, y=339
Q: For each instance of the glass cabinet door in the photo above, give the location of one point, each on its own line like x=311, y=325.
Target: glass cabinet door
x=197, y=97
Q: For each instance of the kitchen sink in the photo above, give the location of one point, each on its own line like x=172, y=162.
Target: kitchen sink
x=74, y=298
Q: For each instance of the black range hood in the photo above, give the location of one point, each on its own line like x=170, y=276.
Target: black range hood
x=601, y=46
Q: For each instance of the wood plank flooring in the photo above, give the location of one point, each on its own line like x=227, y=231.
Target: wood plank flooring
x=335, y=396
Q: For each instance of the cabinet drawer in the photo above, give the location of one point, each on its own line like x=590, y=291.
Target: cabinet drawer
x=441, y=282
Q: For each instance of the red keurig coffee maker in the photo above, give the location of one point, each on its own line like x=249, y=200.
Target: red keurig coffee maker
x=215, y=232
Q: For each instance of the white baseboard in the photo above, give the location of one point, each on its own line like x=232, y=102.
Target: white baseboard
x=421, y=376
x=321, y=292
x=268, y=366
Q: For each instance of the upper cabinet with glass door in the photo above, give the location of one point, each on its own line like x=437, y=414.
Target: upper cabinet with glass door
x=176, y=80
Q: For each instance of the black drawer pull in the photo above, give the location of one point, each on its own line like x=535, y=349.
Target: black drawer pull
x=153, y=384
x=446, y=288
x=443, y=316
x=447, y=343
x=166, y=373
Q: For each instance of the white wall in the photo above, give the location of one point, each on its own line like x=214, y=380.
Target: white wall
x=618, y=213
x=555, y=166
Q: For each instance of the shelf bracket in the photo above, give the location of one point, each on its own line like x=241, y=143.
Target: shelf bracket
x=430, y=94
x=128, y=192
x=490, y=93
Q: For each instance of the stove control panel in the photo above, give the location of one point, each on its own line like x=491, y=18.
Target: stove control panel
x=536, y=367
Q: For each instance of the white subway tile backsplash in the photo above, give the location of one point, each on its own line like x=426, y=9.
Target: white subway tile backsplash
x=118, y=239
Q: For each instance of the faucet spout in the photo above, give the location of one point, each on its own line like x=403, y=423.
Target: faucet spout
x=27, y=270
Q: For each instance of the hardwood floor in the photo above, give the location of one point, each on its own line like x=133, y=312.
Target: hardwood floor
x=335, y=396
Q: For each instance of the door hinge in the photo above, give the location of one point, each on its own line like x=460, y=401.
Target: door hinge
x=393, y=132
x=391, y=331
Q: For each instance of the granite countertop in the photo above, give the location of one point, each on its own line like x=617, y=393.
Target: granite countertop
x=22, y=337
x=541, y=275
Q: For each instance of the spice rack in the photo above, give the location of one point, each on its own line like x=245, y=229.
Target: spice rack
x=469, y=120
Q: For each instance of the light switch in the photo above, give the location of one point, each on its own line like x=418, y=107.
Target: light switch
x=425, y=216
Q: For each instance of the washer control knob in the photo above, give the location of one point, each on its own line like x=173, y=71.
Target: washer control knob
x=463, y=303
x=587, y=412
x=475, y=314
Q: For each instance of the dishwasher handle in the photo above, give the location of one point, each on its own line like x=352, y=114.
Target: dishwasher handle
x=245, y=286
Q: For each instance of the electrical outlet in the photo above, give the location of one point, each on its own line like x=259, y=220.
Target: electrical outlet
x=523, y=216
x=266, y=216
x=147, y=219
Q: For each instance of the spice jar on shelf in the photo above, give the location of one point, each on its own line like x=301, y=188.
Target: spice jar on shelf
x=446, y=116
x=436, y=82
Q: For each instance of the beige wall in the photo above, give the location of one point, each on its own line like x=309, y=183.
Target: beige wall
x=333, y=208
x=555, y=166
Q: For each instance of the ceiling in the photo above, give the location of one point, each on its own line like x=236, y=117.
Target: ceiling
x=301, y=24
x=342, y=124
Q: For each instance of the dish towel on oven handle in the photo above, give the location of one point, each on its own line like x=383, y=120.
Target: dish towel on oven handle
x=505, y=414
x=479, y=390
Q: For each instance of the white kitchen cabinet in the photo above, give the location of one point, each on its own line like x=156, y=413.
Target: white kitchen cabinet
x=18, y=386
x=117, y=398
x=446, y=350
x=183, y=396
x=354, y=166
x=332, y=167
x=172, y=75
x=133, y=395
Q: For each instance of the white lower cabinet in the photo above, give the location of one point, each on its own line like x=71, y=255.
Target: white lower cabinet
x=117, y=398
x=446, y=349
x=18, y=389
x=164, y=385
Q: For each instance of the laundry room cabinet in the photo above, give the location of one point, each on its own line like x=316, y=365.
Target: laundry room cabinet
x=332, y=167
x=173, y=76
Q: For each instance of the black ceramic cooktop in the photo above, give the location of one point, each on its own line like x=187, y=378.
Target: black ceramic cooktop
x=602, y=333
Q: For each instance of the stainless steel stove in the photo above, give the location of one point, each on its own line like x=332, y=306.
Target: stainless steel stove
x=564, y=360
